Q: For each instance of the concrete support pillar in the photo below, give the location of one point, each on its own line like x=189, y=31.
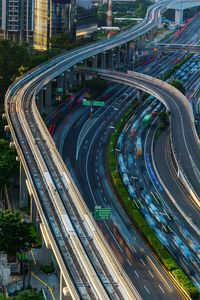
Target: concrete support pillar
x=132, y=54
x=23, y=191
x=64, y=293
x=79, y=78
x=178, y=16
x=127, y=54
x=160, y=22
x=117, y=56
x=46, y=255
x=65, y=86
x=33, y=212
x=48, y=99
x=110, y=59
x=139, y=95
x=94, y=62
x=39, y=101
x=71, y=77
x=103, y=60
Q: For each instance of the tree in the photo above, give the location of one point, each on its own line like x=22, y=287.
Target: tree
x=164, y=118
x=8, y=163
x=178, y=85
x=60, y=40
x=15, y=235
x=29, y=295
x=96, y=86
x=12, y=58
x=25, y=295
x=142, y=8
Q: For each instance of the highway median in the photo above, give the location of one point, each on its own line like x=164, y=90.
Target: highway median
x=170, y=266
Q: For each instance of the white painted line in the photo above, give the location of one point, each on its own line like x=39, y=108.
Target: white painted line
x=146, y=289
x=151, y=274
x=112, y=127
x=114, y=237
x=133, y=249
x=115, y=108
x=142, y=261
x=105, y=199
x=129, y=262
x=136, y=274
x=198, y=277
x=161, y=289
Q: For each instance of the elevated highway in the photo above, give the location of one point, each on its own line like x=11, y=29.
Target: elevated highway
x=174, y=47
x=88, y=268
x=184, y=138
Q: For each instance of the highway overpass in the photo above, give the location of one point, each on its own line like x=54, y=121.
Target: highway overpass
x=173, y=47
x=88, y=268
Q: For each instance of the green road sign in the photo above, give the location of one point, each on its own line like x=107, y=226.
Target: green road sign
x=102, y=213
x=98, y=103
x=59, y=90
x=93, y=103
x=86, y=102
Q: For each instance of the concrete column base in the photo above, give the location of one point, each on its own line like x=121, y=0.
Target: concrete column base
x=103, y=60
x=46, y=255
x=94, y=62
x=23, y=191
x=64, y=293
x=48, y=100
x=110, y=60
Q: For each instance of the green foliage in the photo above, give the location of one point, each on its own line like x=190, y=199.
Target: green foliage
x=61, y=41
x=8, y=163
x=123, y=10
x=15, y=60
x=137, y=218
x=36, y=236
x=48, y=269
x=178, y=85
x=25, y=295
x=140, y=12
x=96, y=86
x=15, y=235
x=13, y=57
x=163, y=119
x=2, y=125
x=28, y=295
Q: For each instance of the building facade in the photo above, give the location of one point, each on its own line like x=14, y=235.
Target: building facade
x=17, y=20
x=53, y=17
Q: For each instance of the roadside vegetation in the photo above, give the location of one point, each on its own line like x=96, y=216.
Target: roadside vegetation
x=178, y=85
x=16, y=235
x=25, y=295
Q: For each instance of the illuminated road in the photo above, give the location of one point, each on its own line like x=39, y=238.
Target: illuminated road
x=85, y=259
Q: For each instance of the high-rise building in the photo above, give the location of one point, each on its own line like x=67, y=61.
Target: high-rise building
x=16, y=20
x=53, y=17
